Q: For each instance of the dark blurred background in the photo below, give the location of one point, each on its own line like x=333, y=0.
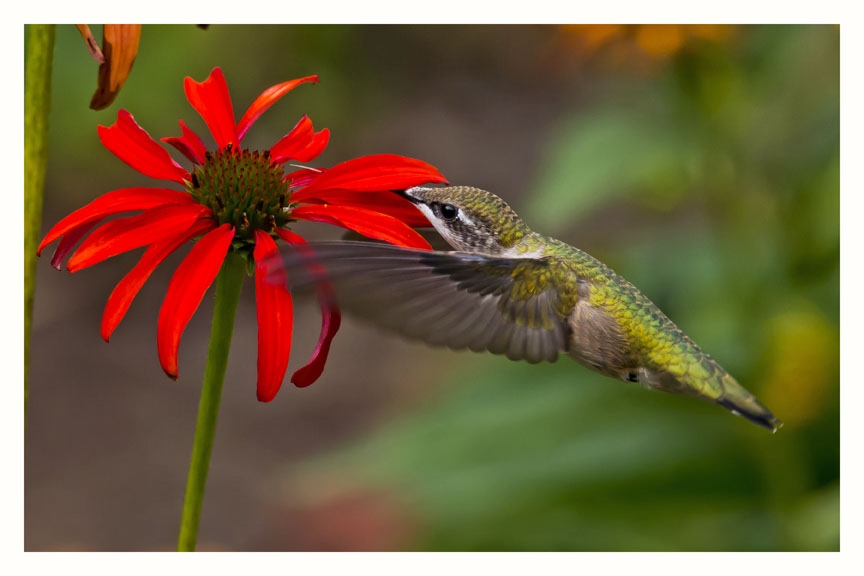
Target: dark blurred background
x=700, y=162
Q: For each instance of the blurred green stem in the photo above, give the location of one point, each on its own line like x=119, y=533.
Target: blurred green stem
x=228, y=285
x=37, y=108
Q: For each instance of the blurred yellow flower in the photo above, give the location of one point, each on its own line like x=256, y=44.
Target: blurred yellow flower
x=655, y=41
x=803, y=362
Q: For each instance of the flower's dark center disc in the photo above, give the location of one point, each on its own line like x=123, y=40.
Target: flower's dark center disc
x=242, y=188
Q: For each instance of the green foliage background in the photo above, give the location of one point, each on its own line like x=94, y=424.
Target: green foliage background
x=708, y=177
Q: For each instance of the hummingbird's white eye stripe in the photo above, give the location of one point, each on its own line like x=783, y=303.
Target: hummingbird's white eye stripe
x=427, y=211
x=441, y=227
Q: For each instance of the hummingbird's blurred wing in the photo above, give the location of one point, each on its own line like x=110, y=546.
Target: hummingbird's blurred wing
x=455, y=299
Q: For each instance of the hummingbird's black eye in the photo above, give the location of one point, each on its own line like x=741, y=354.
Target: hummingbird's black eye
x=448, y=211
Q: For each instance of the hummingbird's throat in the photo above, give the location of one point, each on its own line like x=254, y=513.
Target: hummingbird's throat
x=243, y=188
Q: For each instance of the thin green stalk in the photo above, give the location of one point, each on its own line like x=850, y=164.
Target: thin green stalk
x=37, y=108
x=228, y=285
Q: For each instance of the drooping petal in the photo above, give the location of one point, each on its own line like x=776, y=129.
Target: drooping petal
x=68, y=242
x=114, y=202
x=124, y=234
x=366, y=222
x=384, y=202
x=90, y=41
x=302, y=143
x=120, y=43
x=331, y=319
x=212, y=101
x=186, y=290
x=267, y=98
x=189, y=144
x=275, y=318
x=134, y=146
x=374, y=173
x=126, y=290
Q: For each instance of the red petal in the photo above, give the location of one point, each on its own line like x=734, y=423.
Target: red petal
x=212, y=101
x=134, y=146
x=114, y=202
x=383, y=202
x=275, y=318
x=295, y=140
x=330, y=322
x=68, y=242
x=302, y=151
x=189, y=144
x=302, y=143
x=186, y=290
x=315, y=146
x=126, y=290
x=267, y=98
x=308, y=374
x=126, y=234
x=371, y=173
x=366, y=222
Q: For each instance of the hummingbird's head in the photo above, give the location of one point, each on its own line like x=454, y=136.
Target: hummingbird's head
x=469, y=219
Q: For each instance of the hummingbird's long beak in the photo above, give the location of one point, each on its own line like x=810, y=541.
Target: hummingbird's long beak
x=410, y=195
x=405, y=194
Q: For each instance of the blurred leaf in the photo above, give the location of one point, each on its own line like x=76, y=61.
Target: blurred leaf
x=608, y=155
x=519, y=444
x=815, y=524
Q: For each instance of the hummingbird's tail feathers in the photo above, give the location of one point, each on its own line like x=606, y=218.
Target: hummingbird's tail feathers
x=704, y=378
x=739, y=401
x=754, y=412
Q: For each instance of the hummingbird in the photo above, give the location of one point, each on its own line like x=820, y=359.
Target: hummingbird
x=509, y=290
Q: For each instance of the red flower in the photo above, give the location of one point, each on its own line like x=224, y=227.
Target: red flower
x=234, y=199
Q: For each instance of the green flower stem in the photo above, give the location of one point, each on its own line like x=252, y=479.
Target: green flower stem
x=228, y=285
x=37, y=106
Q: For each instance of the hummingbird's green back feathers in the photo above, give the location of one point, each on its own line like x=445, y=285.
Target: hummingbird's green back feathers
x=508, y=290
